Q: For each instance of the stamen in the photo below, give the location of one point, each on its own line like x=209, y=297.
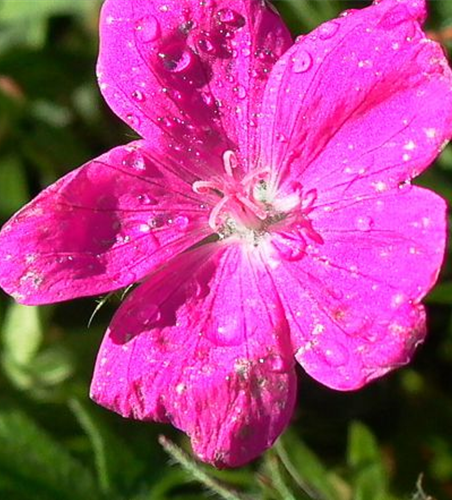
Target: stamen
x=255, y=174
x=201, y=187
x=255, y=209
x=229, y=162
x=215, y=213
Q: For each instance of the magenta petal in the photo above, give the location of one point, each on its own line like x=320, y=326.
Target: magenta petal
x=353, y=302
x=100, y=228
x=203, y=344
x=363, y=103
x=190, y=71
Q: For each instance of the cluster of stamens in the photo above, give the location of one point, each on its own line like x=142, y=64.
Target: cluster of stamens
x=243, y=203
x=248, y=206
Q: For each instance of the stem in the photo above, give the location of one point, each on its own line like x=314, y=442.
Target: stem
x=198, y=474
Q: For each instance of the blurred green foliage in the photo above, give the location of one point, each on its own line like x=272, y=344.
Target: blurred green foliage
x=55, y=444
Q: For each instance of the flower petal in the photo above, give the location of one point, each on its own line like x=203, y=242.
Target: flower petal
x=204, y=345
x=353, y=301
x=99, y=228
x=189, y=71
x=362, y=104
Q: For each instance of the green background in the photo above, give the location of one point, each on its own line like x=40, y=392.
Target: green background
x=56, y=444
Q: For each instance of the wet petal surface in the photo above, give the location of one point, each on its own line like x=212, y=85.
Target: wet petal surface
x=100, y=228
x=358, y=106
x=353, y=302
x=190, y=70
x=204, y=345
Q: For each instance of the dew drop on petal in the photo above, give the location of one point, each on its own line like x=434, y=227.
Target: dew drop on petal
x=364, y=223
x=148, y=29
x=288, y=248
x=334, y=353
x=206, y=45
x=135, y=160
x=302, y=62
x=146, y=199
x=231, y=17
x=132, y=120
x=177, y=65
x=137, y=95
x=277, y=363
x=180, y=223
x=328, y=30
x=241, y=91
x=150, y=314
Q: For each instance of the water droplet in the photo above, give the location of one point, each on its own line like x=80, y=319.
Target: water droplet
x=186, y=27
x=241, y=91
x=229, y=332
x=328, y=30
x=206, y=45
x=277, y=363
x=145, y=199
x=137, y=95
x=133, y=120
x=149, y=315
x=289, y=248
x=364, y=223
x=180, y=223
x=180, y=63
x=334, y=353
x=348, y=12
x=397, y=300
x=231, y=17
x=135, y=160
x=181, y=388
x=148, y=29
x=302, y=62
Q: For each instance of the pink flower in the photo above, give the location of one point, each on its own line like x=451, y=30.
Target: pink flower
x=267, y=211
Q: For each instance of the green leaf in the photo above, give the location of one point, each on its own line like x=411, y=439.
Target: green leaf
x=14, y=11
x=13, y=185
x=26, y=365
x=369, y=477
x=38, y=466
x=117, y=467
x=22, y=333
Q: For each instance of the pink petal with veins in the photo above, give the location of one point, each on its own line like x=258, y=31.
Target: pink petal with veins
x=353, y=302
x=203, y=344
x=190, y=68
x=100, y=228
x=363, y=103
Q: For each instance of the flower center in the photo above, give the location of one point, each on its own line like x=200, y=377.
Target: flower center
x=242, y=204
x=249, y=207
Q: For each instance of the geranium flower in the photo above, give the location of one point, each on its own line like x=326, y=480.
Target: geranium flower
x=267, y=212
